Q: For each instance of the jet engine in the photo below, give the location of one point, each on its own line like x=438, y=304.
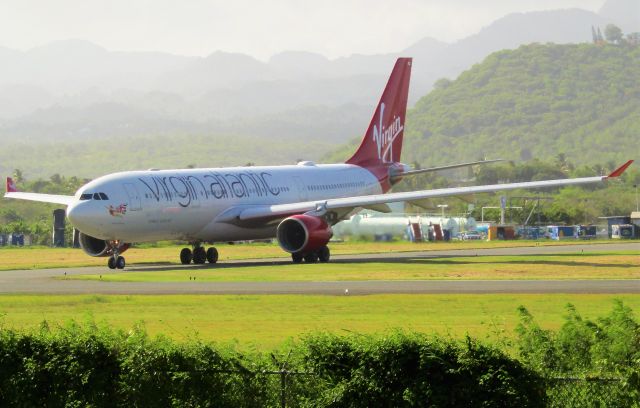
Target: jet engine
x=303, y=233
x=99, y=247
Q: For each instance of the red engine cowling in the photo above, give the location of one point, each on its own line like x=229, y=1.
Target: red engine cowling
x=98, y=247
x=303, y=233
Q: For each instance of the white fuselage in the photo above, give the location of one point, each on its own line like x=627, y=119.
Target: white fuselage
x=184, y=204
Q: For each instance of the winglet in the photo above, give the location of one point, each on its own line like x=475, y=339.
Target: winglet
x=11, y=186
x=618, y=172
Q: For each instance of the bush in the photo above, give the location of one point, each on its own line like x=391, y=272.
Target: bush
x=412, y=370
x=88, y=366
x=610, y=345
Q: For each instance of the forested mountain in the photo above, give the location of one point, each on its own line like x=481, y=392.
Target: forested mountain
x=534, y=102
x=74, y=75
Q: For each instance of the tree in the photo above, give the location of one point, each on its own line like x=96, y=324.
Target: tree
x=56, y=179
x=442, y=83
x=613, y=33
x=17, y=176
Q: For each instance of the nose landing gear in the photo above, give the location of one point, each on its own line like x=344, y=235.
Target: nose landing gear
x=116, y=261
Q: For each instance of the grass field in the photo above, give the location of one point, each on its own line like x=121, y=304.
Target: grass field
x=267, y=322
x=599, y=265
x=43, y=257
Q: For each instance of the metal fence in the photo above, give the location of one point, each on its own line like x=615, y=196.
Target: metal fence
x=591, y=392
x=291, y=388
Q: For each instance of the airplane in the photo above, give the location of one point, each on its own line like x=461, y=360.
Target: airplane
x=296, y=204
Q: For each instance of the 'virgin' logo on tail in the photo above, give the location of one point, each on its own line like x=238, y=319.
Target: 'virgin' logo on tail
x=384, y=136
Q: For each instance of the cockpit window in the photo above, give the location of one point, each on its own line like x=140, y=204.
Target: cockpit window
x=86, y=196
x=103, y=196
x=96, y=196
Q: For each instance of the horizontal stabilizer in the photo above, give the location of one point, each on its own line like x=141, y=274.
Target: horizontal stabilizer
x=451, y=166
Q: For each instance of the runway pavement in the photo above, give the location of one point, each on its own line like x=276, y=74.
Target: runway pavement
x=47, y=281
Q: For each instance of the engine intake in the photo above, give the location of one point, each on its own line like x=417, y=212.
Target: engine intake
x=98, y=247
x=303, y=233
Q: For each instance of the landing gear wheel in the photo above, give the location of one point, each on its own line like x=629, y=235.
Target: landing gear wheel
x=311, y=257
x=212, y=255
x=324, y=254
x=199, y=256
x=111, y=263
x=296, y=257
x=120, y=263
x=185, y=256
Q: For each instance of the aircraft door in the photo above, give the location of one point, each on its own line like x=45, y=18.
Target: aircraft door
x=302, y=189
x=134, y=197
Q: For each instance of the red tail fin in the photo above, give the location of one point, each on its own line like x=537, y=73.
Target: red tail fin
x=11, y=186
x=382, y=144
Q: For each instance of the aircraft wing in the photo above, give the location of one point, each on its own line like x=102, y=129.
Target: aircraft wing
x=266, y=212
x=12, y=192
x=43, y=198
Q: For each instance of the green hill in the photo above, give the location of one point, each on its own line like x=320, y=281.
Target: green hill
x=534, y=102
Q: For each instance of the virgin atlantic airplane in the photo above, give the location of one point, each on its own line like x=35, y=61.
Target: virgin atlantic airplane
x=296, y=204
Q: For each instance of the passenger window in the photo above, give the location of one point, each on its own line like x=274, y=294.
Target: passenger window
x=103, y=196
x=96, y=196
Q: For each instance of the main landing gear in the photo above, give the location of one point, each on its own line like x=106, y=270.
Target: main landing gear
x=323, y=255
x=199, y=255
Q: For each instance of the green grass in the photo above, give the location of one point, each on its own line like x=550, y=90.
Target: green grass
x=266, y=322
x=592, y=265
x=12, y=258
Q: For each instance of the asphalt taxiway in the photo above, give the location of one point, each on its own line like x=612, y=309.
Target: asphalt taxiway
x=48, y=281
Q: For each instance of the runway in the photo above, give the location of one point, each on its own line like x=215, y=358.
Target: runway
x=48, y=281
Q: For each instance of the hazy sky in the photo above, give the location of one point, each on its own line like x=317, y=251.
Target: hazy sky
x=259, y=28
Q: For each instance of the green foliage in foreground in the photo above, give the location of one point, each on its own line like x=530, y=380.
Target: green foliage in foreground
x=86, y=366
x=607, y=346
x=411, y=370
x=82, y=365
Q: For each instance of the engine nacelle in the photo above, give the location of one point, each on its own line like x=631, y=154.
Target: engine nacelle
x=98, y=247
x=303, y=233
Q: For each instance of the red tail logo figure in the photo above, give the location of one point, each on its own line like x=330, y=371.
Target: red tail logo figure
x=385, y=136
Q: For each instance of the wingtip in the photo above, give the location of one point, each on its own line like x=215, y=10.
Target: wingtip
x=11, y=186
x=618, y=172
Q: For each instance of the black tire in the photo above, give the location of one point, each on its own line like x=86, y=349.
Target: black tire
x=185, y=256
x=324, y=254
x=120, y=263
x=111, y=263
x=296, y=257
x=212, y=255
x=199, y=256
x=311, y=257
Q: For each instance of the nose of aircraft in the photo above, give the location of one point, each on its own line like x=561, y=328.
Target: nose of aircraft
x=80, y=215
